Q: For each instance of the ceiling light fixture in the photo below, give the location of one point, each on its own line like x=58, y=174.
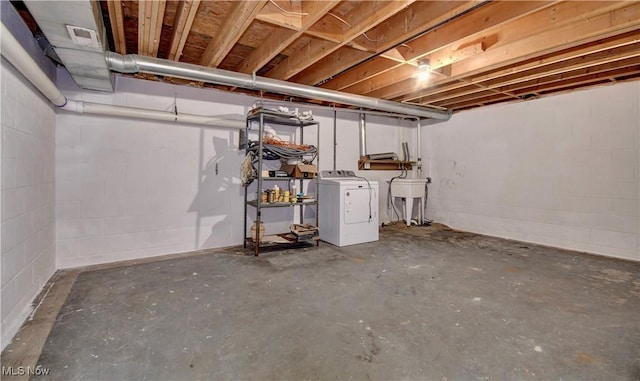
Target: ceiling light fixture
x=424, y=72
x=424, y=64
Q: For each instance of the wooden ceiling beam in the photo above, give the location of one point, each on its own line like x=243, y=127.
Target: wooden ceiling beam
x=471, y=98
x=270, y=13
x=234, y=25
x=116, y=18
x=475, y=103
x=144, y=19
x=551, y=86
x=280, y=39
x=150, y=21
x=601, y=71
x=546, y=84
x=185, y=14
x=326, y=65
x=333, y=37
x=560, y=58
x=382, y=81
x=611, y=57
x=157, y=21
x=542, y=83
x=395, y=30
x=505, y=38
x=582, y=80
x=365, y=71
x=365, y=16
x=407, y=24
x=475, y=22
x=584, y=29
x=472, y=27
x=545, y=41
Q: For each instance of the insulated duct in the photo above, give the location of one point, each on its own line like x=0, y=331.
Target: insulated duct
x=13, y=52
x=133, y=63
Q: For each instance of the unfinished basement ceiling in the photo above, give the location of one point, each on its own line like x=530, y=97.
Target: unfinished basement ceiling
x=480, y=52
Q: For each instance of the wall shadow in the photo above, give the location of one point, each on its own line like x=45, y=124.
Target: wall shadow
x=216, y=191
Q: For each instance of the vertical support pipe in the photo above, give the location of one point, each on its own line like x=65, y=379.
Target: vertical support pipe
x=363, y=135
x=335, y=138
x=419, y=154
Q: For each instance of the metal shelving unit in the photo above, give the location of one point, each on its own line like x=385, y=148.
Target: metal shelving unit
x=286, y=239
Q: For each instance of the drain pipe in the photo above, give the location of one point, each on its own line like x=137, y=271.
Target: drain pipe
x=82, y=107
x=419, y=153
x=133, y=63
x=363, y=135
x=13, y=52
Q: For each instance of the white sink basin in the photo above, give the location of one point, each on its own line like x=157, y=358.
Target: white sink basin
x=408, y=188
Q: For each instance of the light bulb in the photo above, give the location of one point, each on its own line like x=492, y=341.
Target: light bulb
x=423, y=75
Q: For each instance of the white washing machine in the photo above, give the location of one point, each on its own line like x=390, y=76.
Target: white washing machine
x=348, y=208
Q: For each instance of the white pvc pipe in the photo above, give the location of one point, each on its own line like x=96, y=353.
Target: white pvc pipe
x=419, y=157
x=82, y=107
x=13, y=52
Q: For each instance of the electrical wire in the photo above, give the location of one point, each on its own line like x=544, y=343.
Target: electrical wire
x=390, y=203
x=425, y=221
x=340, y=19
x=278, y=152
x=288, y=12
x=407, y=46
x=414, y=36
x=370, y=194
x=371, y=39
x=349, y=25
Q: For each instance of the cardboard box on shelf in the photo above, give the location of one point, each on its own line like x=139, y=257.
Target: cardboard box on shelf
x=304, y=232
x=302, y=171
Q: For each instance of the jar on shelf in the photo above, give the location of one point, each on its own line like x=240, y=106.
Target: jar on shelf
x=260, y=232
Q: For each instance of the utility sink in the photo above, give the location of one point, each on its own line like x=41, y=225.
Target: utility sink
x=409, y=190
x=405, y=188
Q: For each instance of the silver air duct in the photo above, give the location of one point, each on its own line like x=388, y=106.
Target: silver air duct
x=133, y=63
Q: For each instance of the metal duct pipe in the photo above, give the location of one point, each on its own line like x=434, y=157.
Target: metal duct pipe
x=13, y=52
x=363, y=135
x=133, y=63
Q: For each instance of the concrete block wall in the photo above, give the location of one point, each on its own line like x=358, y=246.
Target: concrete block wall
x=27, y=192
x=128, y=189
x=562, y=170
x=383, y=135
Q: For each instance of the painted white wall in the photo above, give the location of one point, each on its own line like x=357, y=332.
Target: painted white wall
x=129, y=189
x=383, y=135
x=562, y=170
x=27, y=154
x=27, y=193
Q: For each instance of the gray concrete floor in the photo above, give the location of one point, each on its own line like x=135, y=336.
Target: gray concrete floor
x=422, y=303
